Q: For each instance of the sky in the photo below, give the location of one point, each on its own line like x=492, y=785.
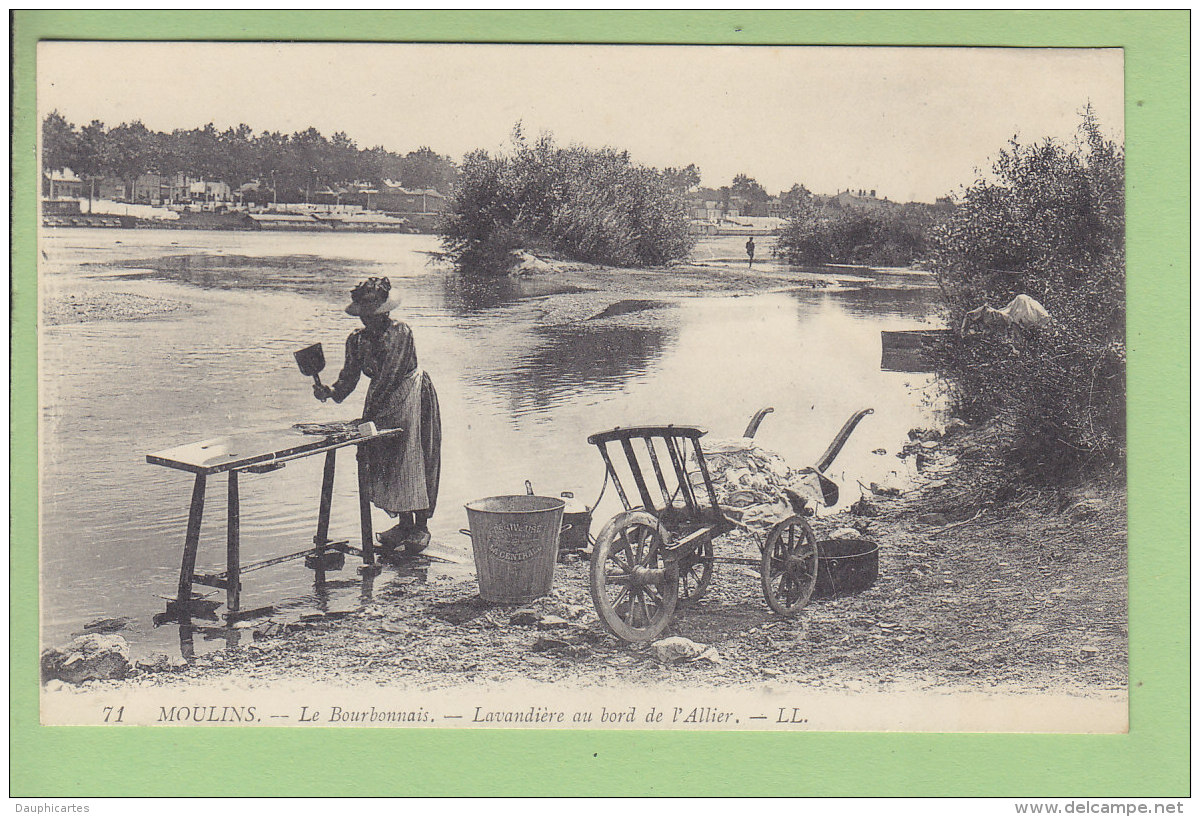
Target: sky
x=910, y=123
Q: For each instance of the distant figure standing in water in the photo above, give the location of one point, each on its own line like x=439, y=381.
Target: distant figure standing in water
x=750, y=251
x=404, y=471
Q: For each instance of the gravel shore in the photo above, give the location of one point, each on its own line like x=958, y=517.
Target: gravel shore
x=88, y=307
x=971, y=595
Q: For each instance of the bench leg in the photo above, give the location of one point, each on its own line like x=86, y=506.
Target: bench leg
x=190, y=544
x=322, y=537
x=233, y=547
x=364, y=509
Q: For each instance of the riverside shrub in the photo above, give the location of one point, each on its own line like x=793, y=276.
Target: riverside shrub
x=1049, y=221
x=893, y=237
x=581, y=203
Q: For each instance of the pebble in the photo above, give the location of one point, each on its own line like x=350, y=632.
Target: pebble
x=677, y=648
x=153, y=661
x=552, y=622
x=524, y=617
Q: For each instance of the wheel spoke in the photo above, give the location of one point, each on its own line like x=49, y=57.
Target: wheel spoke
x=616, y=557
x=627, y=546
x=632, y=615
x=654, y=595
x=623, y=596
x=641, y=545
x=792, y=593
x=645, y=608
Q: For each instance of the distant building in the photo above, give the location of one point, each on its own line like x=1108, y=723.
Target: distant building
x=61, y=184
x=284, y=221
x=772, y=208
x=207, y=191
x=392, y=198
x=860, y=199
x=108, y=187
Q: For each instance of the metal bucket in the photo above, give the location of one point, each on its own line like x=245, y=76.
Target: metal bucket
x=515, y=541
x=846, y=566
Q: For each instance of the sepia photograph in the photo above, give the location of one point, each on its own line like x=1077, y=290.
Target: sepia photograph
x=565, y=386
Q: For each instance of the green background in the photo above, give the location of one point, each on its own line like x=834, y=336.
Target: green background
x=1151, y=760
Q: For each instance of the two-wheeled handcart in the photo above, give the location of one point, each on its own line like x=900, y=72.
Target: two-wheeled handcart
x=659, y=552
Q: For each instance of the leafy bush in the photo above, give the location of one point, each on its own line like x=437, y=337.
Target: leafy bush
x=894, y=237
x=1049, y=222
x=584, y=204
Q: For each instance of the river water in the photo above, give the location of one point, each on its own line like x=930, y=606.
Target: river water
x=521, y=377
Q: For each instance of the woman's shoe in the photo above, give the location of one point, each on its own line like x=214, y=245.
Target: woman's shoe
x=395, y=537
x=416, y=542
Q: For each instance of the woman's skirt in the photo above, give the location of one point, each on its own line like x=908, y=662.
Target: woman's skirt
x=404, y=471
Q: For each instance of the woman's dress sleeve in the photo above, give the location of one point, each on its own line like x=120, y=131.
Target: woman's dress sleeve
x=351, y=370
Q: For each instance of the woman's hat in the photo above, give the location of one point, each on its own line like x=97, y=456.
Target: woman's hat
x=373, y=296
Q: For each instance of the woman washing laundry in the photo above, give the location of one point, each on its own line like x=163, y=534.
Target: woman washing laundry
x=403, y=471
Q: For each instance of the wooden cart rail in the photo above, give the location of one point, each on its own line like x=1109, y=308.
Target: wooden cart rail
x=672, y=487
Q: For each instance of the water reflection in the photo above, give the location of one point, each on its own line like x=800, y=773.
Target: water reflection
x=876, y=302
x=326, y=599
x=310, y=274
x=574, y=359
x=231, y=636
x=466, y=295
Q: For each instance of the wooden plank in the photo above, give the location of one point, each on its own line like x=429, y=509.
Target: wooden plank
x=612, y=472
x=662, y=483
x=690, y=432
x=364, y=508
x=908, y=351
x=254, y=448
x=638, y=479
x=233, y=546
x=191, y=541
x=679, y=463
x=708, y=483
x=326, y=502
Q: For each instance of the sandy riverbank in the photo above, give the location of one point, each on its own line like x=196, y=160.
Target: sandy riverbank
x=103, y=305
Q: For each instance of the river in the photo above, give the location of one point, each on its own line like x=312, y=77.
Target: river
x=522, y=378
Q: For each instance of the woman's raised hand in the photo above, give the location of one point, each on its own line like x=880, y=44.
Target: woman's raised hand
x=322, y=392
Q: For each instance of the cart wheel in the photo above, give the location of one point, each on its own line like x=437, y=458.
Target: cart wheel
x=695, y=572
x=789, y=566
x=633, y=587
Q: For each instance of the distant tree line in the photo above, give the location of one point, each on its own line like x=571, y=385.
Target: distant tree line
x=290, y=164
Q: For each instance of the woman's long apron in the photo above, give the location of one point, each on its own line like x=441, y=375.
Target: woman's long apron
x=404, y=471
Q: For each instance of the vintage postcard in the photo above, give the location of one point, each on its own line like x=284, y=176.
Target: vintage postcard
x=604, y=387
